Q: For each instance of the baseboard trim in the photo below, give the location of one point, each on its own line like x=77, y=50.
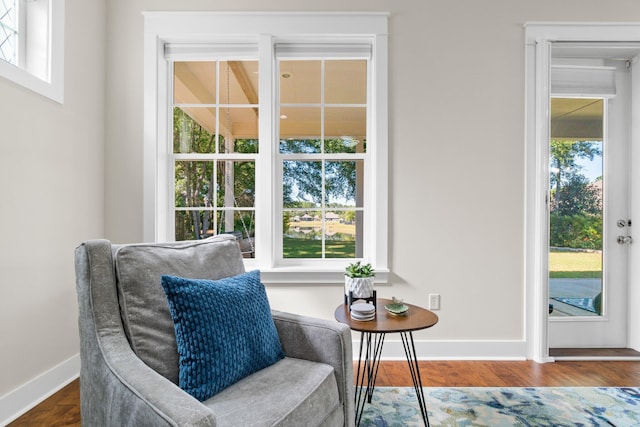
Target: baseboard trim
x=22, y=399
x=453, y=350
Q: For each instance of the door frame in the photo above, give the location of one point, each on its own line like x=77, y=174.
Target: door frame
x=538, y=40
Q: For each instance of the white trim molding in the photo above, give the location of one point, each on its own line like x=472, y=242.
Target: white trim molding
x=451, y=349
x=22, y=399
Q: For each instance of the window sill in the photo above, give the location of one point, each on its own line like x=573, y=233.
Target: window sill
x=307, y=275
x=17, y=75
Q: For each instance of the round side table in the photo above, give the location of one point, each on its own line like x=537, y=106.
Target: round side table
x=372, y=339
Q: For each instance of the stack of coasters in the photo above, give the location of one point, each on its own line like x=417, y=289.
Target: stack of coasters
x=363, y=311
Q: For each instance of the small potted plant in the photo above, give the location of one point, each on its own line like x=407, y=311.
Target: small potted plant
x=358, y=281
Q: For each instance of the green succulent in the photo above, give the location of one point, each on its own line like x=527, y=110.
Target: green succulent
x=357, y=269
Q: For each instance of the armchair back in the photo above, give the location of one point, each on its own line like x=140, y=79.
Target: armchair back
x=143, y=305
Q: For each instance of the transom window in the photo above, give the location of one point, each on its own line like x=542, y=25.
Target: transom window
x=274, y=138
x=32, y=45
x=9, y=31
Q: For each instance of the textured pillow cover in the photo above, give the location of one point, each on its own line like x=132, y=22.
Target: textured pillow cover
x=224, y=331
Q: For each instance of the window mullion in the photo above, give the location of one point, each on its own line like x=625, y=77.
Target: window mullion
x=323, y=192
x=268, y=204
x=376, y=195
x=166, y=166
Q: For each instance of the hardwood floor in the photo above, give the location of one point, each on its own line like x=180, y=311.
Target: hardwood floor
x=513, y=374
x=63, y=408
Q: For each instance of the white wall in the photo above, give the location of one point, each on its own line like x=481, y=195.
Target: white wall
x=51, y=187
x=456, y=150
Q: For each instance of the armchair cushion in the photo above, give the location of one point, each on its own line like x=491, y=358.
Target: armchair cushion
x=224, y=331
x=143, y=304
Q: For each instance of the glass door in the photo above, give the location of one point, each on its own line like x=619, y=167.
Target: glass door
x=588, y=208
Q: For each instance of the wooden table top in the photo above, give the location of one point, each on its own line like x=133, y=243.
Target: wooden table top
x=416, y=318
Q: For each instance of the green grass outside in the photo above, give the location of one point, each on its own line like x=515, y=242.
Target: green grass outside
x=311, y=248
x=575, y=265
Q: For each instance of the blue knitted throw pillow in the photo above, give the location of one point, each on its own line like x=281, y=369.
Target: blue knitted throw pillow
x=224, y=331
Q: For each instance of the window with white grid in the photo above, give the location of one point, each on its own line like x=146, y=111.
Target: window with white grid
x=271, y=127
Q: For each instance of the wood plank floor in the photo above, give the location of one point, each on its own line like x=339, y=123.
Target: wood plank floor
x=63, y=408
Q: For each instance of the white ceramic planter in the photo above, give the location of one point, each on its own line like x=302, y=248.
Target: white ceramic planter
x=362, y=287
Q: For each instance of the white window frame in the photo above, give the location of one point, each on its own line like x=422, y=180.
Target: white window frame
x=265, y=30
x=40, y=65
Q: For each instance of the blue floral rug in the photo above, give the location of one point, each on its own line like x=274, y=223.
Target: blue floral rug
x=506, y=407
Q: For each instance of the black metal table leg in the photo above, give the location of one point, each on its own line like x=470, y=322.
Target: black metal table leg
x=412, y=360
x=368, y=363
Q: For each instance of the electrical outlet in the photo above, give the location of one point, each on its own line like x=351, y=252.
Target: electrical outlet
x=434, y=301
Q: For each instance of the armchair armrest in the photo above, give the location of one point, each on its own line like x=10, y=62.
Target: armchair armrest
x=321, y=341
x=145, y=397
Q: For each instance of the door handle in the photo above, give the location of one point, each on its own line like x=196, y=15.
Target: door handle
x=625, y=240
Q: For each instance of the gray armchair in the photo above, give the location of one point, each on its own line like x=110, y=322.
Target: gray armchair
x=129, y=357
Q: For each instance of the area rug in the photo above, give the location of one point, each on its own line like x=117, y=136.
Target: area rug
x=582, y=303
x=505, y=407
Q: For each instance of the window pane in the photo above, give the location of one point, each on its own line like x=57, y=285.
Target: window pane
x=343, y=188
x=347, y=125
x=293, y=145
x=219, y=226
x=239, y=82
x=302, y=183
x=236, y=123
x=236, y=183
x=194, y=225
x=9, y=31
x=302, y=237
x=245, y=145
x=344, y=144
x=300, y=82
x=300, y=123
x=194, y=82
x=340, y=233
x=345, y=82
x=193, y=130
x=576, y=210
x=193, y=184
x=307, y=234
x=242, y=225
x=196, y=128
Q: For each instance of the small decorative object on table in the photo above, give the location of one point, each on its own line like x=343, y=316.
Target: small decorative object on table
x=363, y=311
x=397, y=307
x=358, y=283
